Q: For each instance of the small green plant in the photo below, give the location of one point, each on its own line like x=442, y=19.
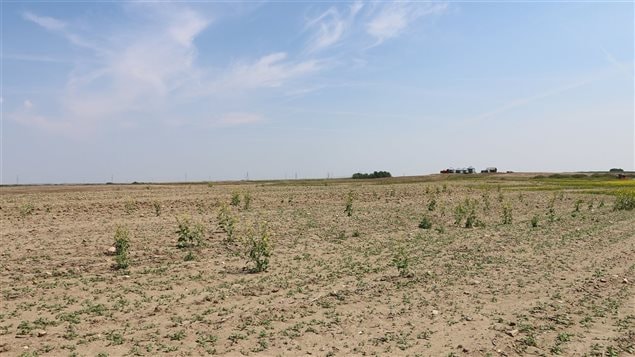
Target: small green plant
x=122, y=245
x=157, y=208
x=26, y=209
x=235, y=200
x=486, y=203
x=624, y=201
x=246, y=200
x=130, y=206
x=189, y=256
x=401, y=261
x=467, y=210
x=258, y=247
x=227, y=222
x=576, y=207
x=534, y=221
x=507, y=214
x=551, y=212
x=432, y=205
x=349, y=204
x=425, y=223
x=189, y=234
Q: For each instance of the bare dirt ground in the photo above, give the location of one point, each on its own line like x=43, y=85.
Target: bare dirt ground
x=373, y=283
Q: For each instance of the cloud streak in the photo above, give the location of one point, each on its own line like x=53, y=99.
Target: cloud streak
x=393, y=18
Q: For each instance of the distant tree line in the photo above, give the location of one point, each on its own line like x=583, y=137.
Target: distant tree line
x=375, y=174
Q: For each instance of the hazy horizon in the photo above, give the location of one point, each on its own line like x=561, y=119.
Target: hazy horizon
x=152, y=92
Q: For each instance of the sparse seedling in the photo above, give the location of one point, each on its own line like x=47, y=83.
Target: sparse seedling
x=189, y=234
x=432, y=205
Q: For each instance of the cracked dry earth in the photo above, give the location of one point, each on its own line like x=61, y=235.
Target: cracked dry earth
x=332, y=287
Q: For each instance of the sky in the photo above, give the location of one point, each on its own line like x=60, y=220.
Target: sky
x=173, y=91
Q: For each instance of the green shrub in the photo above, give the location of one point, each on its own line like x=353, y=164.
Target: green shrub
x=258, y=247
x=507, y=214
x=122, y=245
x=235, y=200
x=624, y=201
x=26, y=209
x=432, y=205
x=576, y=207
x=189, y=256
x=130, y=206
x=534, y=221
x=467, y=211
x=425, y=223
x=157, y=208
x=349, y=204
x=246, y=200
x=401, y=261
x=227, y=222
x=189, y=234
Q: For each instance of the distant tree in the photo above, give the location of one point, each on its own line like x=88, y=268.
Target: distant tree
x=375, y=174
x=616, y=170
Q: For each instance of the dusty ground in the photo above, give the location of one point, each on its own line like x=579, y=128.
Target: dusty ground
x=332, y=287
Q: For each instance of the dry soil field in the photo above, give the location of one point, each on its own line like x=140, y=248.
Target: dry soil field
x=372, y=283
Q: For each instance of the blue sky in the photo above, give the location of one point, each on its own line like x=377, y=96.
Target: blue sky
x=212, y=90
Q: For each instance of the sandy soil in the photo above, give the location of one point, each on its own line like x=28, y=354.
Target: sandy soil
x=333, y=287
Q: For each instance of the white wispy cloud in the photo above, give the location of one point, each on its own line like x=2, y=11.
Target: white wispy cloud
x=268, y=71
x=330, y=26
x=238, y=118
x=392, y=18
x=46, y=22
x=152, y=69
